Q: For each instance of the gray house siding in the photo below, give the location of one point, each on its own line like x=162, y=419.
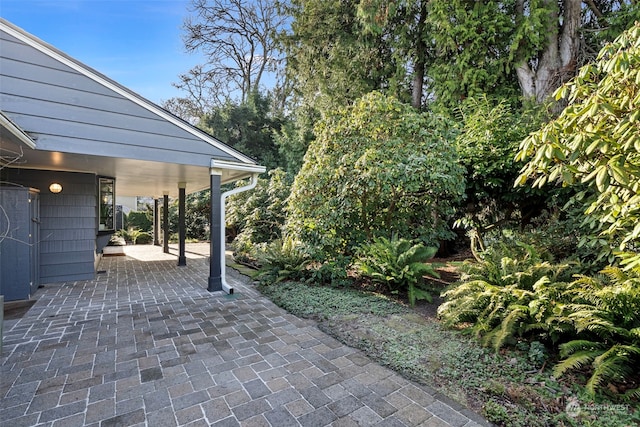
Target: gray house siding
x=64, y=110
x=68, y=222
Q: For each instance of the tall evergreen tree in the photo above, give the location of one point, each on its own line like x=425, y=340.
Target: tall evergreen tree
x=249, y=127
x=330, y=58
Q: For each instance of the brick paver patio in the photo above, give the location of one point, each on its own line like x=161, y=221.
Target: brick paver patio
x=146, y=344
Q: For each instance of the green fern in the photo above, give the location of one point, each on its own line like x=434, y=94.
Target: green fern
x=510, y=326
x=577, y=354
x=608, y=364
x=399, y=265
x=282, y=260
x=613, y=365
x=605, y=312
x=508, y=298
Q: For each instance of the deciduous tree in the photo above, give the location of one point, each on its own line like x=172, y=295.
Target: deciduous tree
x=237, y=38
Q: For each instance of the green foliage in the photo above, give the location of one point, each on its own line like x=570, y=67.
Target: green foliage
x=140, y=220
x=472, y=42
x=196, y=216
x=330, y=270
x=492, y=131
x=495, y=412
x=615, y=18
x=248, y=127
x=293, y=139
x=505, y=298
x=130, y=235
x=486, y=146
x=377, y=167
x=405, y=32
x=593, y=320
x=605, y=311
x=559, y=231
x=283, y=260
x=324, y=302
x=257, y=216
x=331, y=59
x=596, y=142
x=144, y=238
x=399, y=265
x=537, y=354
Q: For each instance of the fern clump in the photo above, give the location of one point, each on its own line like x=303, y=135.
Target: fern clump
x=399, y=265
x=511, y=293
x=605, y=311
x=500, y=309
x=283, y=260
x=592, y=321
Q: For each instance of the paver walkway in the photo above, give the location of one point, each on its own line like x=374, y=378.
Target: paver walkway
x=146, y=344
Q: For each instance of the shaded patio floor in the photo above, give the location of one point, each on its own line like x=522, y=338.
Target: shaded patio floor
x=146, y=344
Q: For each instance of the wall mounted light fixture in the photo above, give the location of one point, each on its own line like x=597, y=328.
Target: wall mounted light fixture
x=55, y=188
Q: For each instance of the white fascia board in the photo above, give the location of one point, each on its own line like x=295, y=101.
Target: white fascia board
x=243, y=167
x=21, y=135
x=96, y=76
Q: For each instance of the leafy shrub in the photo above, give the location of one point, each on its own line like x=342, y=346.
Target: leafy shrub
x=333, y=271
x=143, y=239
x=257, y=216
x=196, y=216
x=376, y=167
x=487, y=144
x=399, y=265
x=594, y=143
x=129, y=235
x=140, y=220
x=561, y=233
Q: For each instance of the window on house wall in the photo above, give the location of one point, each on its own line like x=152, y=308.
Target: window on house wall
x=107, y=200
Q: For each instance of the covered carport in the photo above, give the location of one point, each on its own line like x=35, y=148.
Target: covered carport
x=64, y=123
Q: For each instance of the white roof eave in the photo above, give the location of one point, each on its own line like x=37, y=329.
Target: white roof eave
x=15, y=130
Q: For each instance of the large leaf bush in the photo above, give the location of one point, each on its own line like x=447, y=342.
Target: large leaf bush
x=595, y=142
x=590, y=321
x=377, y=167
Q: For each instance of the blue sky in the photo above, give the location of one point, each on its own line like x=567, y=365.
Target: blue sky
x=134, y=42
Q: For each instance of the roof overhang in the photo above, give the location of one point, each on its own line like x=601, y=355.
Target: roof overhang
x=237, y=168
x=10, y=132
x=140, y=165
x=138, y=177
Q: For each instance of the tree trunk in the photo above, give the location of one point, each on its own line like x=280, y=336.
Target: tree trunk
x=541, y=75
x=420, y=59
